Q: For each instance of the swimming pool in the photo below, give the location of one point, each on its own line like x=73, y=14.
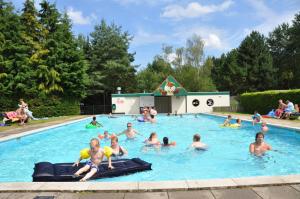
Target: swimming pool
x=227, y=156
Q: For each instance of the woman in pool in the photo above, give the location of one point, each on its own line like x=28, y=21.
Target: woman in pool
x=116, y=148
x=259, y=147
x=152, y=140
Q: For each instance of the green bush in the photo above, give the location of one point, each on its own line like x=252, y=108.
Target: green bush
x=47, y=106
x=265, y=101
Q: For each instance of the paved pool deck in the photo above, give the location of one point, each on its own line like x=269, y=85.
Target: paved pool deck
x=244, y=188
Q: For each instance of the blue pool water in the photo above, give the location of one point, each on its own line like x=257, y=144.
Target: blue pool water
x=227, y=156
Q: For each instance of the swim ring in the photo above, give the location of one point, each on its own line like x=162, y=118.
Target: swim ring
x=90, y=126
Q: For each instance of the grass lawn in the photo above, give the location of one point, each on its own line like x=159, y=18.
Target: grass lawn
x=36, y=122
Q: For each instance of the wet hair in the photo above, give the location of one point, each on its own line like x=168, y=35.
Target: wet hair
x=229, y=116
x=196, y=137
x=151, y=136
x=238, y=120
x=166, y=141
x=94, y=117
x=259, y=133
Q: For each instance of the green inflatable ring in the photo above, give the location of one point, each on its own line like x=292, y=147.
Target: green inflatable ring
x=90, y=126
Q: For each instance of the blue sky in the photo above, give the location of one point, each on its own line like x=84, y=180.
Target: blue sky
x=222, y=24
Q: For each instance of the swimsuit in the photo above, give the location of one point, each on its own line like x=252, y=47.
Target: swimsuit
x=92, y=165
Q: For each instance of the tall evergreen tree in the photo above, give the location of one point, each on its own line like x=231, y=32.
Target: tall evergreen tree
x=256, y=62
x=111, y=59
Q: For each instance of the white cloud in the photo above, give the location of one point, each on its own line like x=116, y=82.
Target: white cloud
x=138, y=2
x=77, y=17
x=143, y=38
x=194, y=9
x=270, y=19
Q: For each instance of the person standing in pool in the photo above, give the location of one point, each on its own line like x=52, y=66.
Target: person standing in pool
x=129, y=132
x=117, y=150
x=166, y=142
x=259, y=147
x=197, y=144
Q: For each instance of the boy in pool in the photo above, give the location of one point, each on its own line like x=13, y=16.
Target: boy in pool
x=227, y=121
x=197, y=144
x=94, y=122
x=96, y=154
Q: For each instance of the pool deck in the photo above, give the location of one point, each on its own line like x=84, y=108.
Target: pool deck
x=231, y=188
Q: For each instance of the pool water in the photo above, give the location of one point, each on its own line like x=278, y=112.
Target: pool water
x=227, y=156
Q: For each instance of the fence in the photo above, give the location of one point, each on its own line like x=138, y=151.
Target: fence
x=95, y=109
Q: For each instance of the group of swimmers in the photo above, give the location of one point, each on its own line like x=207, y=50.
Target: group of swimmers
x=259, y=147
x=96, y=153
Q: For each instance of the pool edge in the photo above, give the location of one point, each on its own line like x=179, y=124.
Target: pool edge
x=150, y=186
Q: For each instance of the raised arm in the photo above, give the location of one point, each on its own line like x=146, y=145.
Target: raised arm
x=251, y=148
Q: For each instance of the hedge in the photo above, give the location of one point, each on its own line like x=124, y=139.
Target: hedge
x=49, y=106
x=265, y=101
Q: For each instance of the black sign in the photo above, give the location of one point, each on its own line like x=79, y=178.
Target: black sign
x=195, y=102
x=210, y=102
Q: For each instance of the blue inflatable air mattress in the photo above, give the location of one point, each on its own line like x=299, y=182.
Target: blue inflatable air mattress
x=48, y=172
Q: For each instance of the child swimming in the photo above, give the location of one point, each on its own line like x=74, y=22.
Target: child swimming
x=264, y=127
x=166, y=142
x=95, y=123
x=227, y=121
x=256, y=118
x=96, y=154
x=152, y=140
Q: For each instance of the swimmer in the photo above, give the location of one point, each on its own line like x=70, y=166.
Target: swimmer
x=197, y=144
x=95, y=123
x=238, y=122
x=256, y=118
x=129, y=132
x=259, y=147
x=116, y=148
x=166, y=142
x=264, y=127
x=227, y=121
x=105, y=136
x=152, y=140
x=92, y=166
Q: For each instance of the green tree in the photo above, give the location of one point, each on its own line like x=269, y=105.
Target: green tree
x=109, y=57
x=256, y=62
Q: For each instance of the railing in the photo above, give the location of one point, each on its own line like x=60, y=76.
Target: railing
x=95, y=109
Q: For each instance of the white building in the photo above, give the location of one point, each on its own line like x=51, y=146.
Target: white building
x=170, y=97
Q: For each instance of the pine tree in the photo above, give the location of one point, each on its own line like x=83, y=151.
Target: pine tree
x=256, y=62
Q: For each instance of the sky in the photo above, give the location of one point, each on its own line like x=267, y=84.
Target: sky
x=222, y=24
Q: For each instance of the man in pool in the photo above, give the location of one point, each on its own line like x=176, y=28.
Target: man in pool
x=129, y=132
x=197, y=144
x=259, y=147
x=96, y=154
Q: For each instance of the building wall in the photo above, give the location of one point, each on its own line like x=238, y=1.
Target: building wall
x=178, y=104
x=219, y=101
x=127, y=105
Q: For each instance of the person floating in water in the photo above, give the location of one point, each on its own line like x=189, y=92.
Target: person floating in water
x=129, y=132
x=95, y=123
x=259, y=147
x=197, y=144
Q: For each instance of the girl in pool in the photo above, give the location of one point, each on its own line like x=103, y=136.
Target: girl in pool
x=152, y=140
x=259, y=147
x=197, y=144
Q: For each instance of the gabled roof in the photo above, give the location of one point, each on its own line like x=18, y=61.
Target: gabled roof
x=169, y=87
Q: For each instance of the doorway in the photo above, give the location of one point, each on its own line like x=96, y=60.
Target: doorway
x=163, y=104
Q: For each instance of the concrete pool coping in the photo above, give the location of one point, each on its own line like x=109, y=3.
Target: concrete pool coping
x=144, y=186
x=149, y=186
